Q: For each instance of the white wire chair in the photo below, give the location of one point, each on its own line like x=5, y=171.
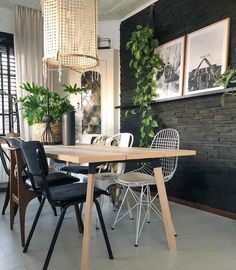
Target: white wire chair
x=143, y=178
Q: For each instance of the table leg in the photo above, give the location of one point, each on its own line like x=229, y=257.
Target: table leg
x=87, y=224
x=165, y=209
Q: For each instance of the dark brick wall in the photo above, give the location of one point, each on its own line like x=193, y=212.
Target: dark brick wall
x=210, y=177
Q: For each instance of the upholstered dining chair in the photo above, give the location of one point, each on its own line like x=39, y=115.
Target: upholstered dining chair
x=143, y=178
x=62, y=196
x=77, y=169
x=104, y=180
x=106, y=174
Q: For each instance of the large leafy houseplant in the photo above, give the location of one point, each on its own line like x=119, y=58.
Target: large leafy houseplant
x=145, y=63
x=35, y=104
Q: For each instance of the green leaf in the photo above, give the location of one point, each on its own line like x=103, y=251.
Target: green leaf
x=144, y=121
x=131, y=63
x=154, y=123
x=233, y=80
x=151, y=134
x=144, y=114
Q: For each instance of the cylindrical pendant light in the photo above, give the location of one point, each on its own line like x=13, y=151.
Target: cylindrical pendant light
x=70, y=34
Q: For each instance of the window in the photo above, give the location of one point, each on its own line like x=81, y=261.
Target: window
x=91, y=102
x=9, y=119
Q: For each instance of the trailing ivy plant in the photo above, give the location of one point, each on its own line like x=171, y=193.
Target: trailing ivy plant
x=145, y=63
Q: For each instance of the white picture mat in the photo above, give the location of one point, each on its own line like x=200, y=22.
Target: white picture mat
x=211, y=42
x=173, y=53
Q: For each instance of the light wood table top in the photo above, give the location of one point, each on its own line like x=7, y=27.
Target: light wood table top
x=96, y=153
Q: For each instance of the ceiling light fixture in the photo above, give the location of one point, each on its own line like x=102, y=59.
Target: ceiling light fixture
x=70, y=34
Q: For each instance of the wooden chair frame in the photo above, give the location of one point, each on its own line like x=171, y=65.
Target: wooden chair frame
x=20, y=194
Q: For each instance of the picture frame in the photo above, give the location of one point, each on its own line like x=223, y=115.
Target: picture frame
x=170, y=80
x=206, y=57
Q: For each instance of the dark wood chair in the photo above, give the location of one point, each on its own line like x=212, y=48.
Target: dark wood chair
x=20, y=194
x=21, y=190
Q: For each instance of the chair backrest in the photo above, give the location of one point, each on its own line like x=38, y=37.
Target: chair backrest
x=3, y=155
x=36, y=161
x=121, y=140
x=99, y=140
x=16, y=143
x=167, y=139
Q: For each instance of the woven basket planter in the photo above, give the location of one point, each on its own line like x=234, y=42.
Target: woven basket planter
x=38, y=130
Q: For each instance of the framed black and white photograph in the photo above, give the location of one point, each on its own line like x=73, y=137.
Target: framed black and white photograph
x=170, y=80
x=206, y=57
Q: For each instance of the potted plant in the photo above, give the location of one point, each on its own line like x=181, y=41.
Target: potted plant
x=35, y=106
x=228, y=81
x=146, y=62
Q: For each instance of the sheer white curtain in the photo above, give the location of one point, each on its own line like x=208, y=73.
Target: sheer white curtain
x=28, y=52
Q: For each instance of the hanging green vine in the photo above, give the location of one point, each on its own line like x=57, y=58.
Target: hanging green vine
x=146, y=62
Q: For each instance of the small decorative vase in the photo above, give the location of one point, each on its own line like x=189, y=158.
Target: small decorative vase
x=68, y=128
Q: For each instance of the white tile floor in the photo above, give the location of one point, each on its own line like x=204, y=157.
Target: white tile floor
x=204, y=242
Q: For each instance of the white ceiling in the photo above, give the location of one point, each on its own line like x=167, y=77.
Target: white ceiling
x=108, y=9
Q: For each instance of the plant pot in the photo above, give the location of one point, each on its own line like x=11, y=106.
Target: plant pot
x=68, y=128
x=38, y=129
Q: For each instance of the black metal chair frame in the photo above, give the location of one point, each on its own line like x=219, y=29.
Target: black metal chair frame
x=4, y=158
x=38, y=170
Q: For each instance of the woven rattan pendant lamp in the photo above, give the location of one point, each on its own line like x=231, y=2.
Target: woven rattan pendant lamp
x=70, y=34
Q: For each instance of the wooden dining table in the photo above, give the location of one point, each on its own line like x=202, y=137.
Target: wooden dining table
x=96, y=155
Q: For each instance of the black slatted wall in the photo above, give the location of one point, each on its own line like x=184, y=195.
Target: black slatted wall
x=210, y=177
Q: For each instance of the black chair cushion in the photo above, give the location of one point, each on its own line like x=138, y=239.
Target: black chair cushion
x=75, y=169
x=79, y=169
x=73, y=192
x=54, y=179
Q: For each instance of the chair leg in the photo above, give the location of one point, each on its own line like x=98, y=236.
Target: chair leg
x=121, y=205
x=34, y=225
x=159, y=214
x=6, y=199
x=54, y=210
x=139, y=211
x=16, y=209
x=103, y=229
x=101, y=201
x=54, y=239
x=22, y=210
x=149, y=198
x=129, y=209
x=79, y=218
x=13, y=210
x=81, y=205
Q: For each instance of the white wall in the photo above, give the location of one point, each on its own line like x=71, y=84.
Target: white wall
x=106, y=29
x=6, y=19
x=111, y=30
